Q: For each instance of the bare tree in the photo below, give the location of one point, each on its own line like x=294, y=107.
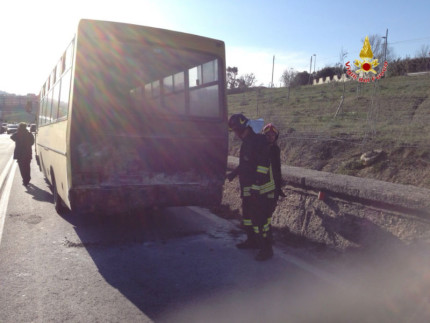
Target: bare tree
x=341, y=64
x=423, y=52
x=288, y=76
x=232, y=81
x=377, y=42
x=247, y=80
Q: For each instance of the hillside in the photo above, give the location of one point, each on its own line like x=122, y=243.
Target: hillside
x=328, y=127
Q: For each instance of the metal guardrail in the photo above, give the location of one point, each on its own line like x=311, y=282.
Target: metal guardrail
x=362, y=190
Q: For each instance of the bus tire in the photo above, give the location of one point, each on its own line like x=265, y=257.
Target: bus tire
x=58, y=202
x=42, y=168
x=38, y=162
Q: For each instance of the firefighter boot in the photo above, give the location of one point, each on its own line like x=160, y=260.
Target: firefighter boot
x=250, y=242
x=266, y=251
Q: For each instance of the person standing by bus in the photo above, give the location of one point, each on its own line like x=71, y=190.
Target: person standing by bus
x=257, y=187
x=22, y=153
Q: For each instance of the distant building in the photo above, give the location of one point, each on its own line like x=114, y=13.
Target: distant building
x=12, y=105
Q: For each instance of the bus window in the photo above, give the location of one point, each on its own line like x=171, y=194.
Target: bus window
x=63, y=61
x=204, y=102
x=155, y=89
x=204, y=97
x=48, y=109
x=42, y=111
x=168, y=84
x=42, y=106
x=52, y=79
x=210, y=71
x=175, y=102
x=64, y=96
x=48, y=82
x=59, y=69
x=55, y=99
x=194, y=75
x=174, y=95
x=179, y=81
x=68, y=56
x=148, y=92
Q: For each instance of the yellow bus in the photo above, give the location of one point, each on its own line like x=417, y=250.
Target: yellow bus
x=134, y=116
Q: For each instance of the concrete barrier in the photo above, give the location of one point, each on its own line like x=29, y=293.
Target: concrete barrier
x=322, y=80
x=348, y=212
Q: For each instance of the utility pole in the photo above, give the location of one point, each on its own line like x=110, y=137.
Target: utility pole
x=315, y=61
x=385, y=48
x=310, y=71
x=273, y=69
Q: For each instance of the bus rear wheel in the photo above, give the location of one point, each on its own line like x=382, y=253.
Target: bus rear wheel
x=60, y=207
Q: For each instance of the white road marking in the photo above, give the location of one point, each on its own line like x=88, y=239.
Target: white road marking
x=3, y=175
x=4, y=197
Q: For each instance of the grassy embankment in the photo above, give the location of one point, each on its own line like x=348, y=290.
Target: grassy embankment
x=320, y=130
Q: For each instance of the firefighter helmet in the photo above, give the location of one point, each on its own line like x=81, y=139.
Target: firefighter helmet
x=238, y=122
x=271, y=128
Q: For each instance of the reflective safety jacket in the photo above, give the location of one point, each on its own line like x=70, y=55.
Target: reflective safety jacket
x=255, y=171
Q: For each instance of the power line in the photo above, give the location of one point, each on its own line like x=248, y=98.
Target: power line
x=408, y=40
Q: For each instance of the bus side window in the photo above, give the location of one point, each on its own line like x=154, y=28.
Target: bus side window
x=63, y=108
x=168, y=84
x=48, y=110
x=55, y=100
x=59, y=69
x=42, y=105
x=53, y=80
x=45, y=107
x=179, y=81
x=68, y=56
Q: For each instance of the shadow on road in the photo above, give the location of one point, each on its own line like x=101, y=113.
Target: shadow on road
x=161, y=260
x=38, y=193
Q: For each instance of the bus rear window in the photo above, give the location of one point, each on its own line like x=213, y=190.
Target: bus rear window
x=204, y=102
x=166, y=81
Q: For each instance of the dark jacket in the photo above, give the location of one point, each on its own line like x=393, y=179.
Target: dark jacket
x=23, y=142
x=254, y=166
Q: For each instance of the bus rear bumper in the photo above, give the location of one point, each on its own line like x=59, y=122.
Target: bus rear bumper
x=127, y=198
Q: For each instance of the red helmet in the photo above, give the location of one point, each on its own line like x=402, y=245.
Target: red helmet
x=238, y=122
x=271, y=128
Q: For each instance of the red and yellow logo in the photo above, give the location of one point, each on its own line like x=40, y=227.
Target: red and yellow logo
x=365, y=71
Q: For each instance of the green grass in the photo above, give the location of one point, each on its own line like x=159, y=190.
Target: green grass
x=395, y=110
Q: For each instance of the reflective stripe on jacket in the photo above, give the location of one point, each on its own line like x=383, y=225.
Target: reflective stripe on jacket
x=255, y=171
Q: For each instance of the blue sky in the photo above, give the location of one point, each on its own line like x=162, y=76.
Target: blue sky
x=34, y=33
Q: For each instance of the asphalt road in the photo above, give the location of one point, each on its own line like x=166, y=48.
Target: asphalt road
x=181, y=265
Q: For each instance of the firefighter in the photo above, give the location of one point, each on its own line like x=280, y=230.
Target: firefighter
x=257, y=187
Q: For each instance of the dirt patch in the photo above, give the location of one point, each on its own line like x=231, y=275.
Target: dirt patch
x=401, y=165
